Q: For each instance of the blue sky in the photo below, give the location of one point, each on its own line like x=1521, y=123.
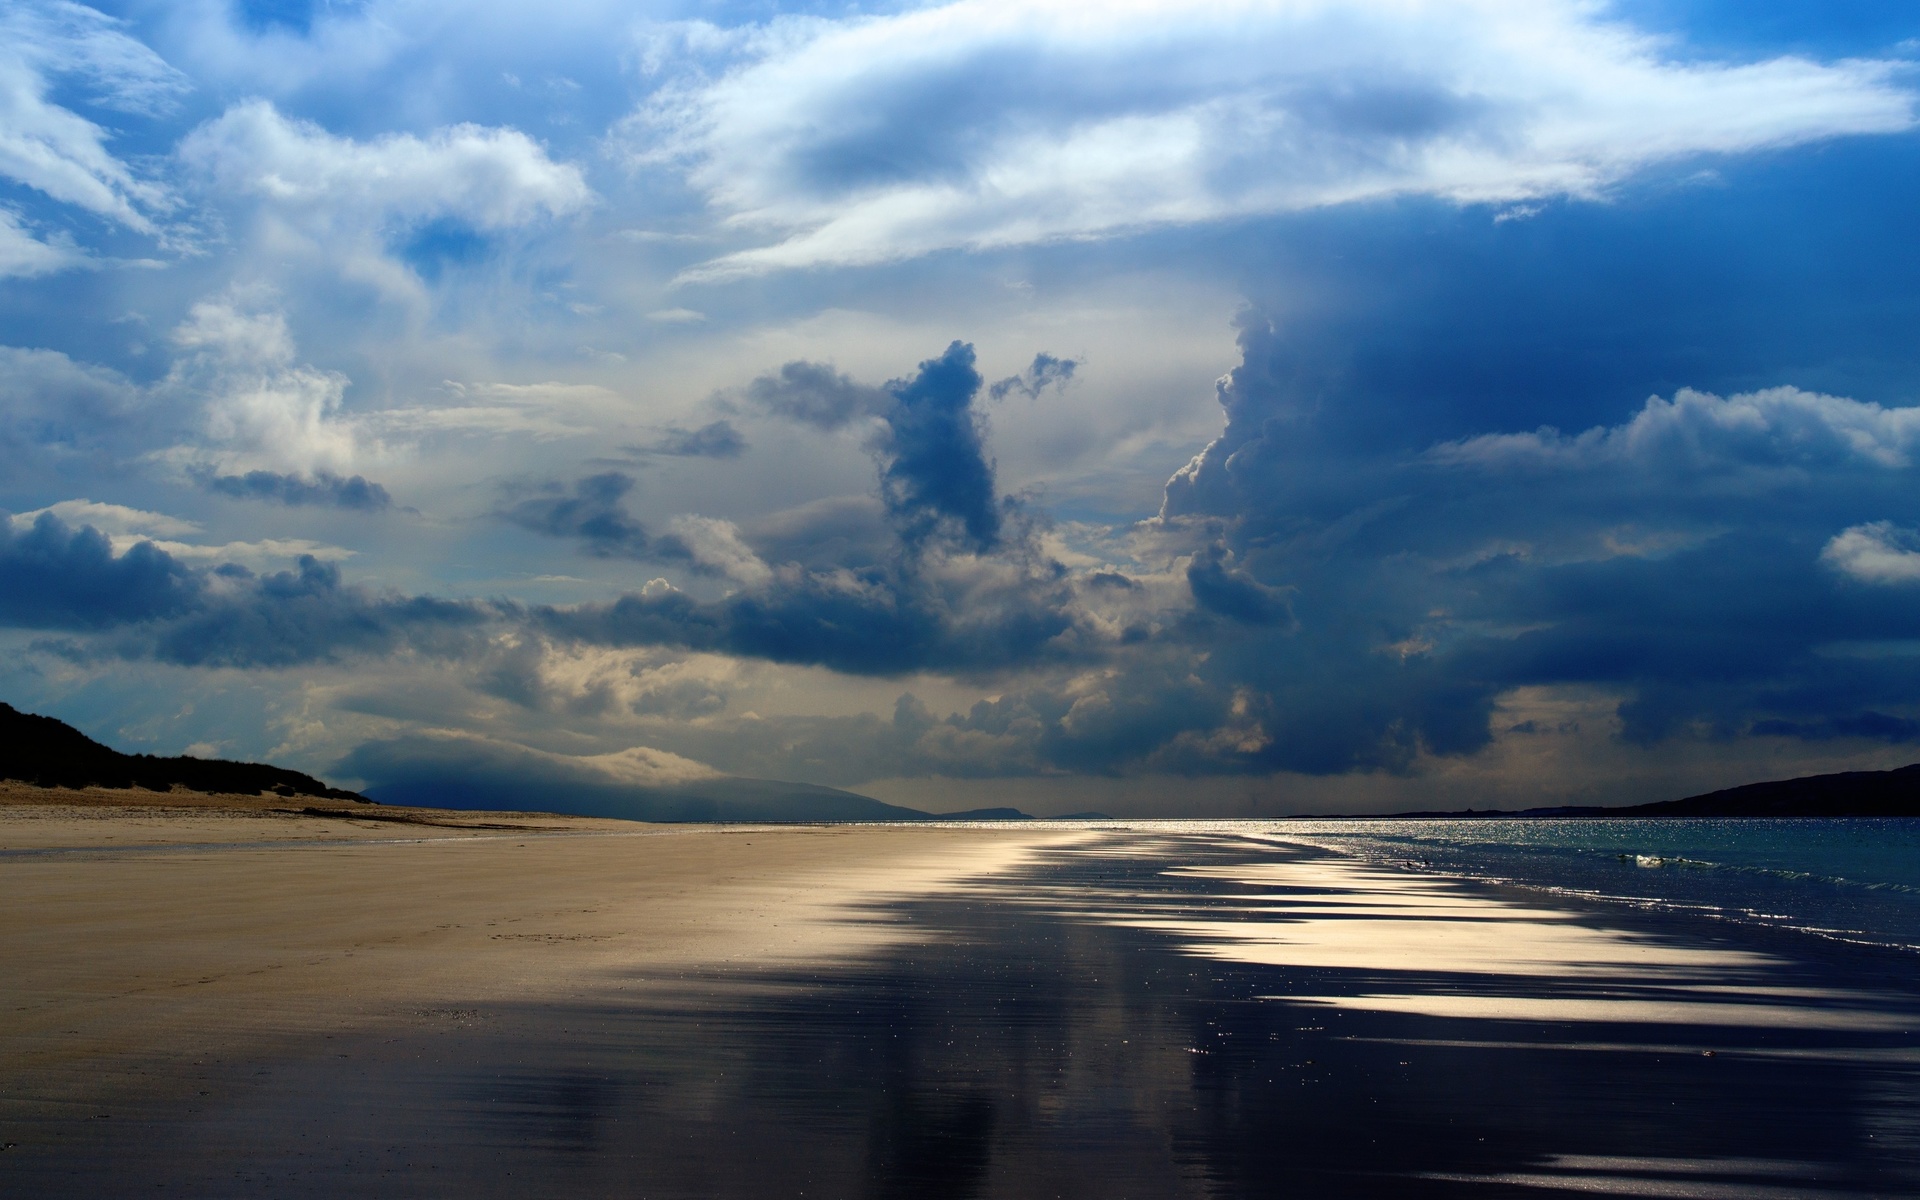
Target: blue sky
x=1159, y=407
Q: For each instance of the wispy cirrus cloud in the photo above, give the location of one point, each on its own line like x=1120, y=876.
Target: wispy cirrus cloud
x=48, y=147
x=987, y=123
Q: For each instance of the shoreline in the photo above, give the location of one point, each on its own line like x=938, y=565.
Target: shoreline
x=266, y=1005
x=146, y=936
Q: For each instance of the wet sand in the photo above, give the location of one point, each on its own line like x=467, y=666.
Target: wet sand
x=238, y=1004
x=151, y=941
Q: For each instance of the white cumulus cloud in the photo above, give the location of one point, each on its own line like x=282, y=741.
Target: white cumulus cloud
x=263, y=407
x=1877, y=552
x=1781, y=426
x=490, y=178
x=716, y=545
x=987, y=123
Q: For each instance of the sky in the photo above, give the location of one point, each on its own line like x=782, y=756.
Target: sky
x=1221, y=409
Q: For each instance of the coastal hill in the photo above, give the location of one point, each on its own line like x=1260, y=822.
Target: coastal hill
x=1893, y=793
x=52, y=754
x=49, y=753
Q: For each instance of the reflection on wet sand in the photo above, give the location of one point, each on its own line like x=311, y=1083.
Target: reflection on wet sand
x=1509, y=960
x=1133, y=1014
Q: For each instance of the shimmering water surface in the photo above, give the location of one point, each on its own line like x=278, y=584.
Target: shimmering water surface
x=1156, y=1010
x=1852, y=879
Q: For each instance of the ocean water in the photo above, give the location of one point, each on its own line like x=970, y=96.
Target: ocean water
x=1847, y=880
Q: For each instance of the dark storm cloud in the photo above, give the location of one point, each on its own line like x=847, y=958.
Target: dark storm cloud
x=935, y=478
x=878, y=622
x=928, y=601
x=54, y=577
x=1871, y=725
x=306, y=615
x=324, y=489
x=936, y=481
x=145, y=603
x=594, y=512
x=1222, y=589
x=1449, y=461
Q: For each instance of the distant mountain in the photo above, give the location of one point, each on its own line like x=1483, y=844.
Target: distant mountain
x=1893, y=793
x=725, y=798
x=446, y=772
x=50, y=753
x=466, y=772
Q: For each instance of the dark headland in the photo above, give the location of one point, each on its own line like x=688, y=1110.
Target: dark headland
x=1893, y=793
x=49, y=753
x=52, y=754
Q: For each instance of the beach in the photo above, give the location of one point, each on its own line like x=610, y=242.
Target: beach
x=238, y=1001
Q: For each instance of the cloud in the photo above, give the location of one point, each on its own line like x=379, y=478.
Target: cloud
x=262, y=406
x=1781, y=427
x=937, y=481
x=126, y=528
x=24, y=256
x=815, y=394
x=595, y=513
x=110, y=519
x=988, y=123
x=715, y=545
x=542, y=411
x=875, y=622
x=324, y=489
x=437, y=754
x=491, y=179
x=1873, y=726
x=953, y=589
x=1674, y=558
x=832, y=532
x=1044, y=372
x=718, y=439
x=144, y=602
x=1220, y=588
x=73, y=40
x=389, y=211
x=1877, y=552
x=52, y=149
x=306, y=615
x=54, y=577
x=49, y=400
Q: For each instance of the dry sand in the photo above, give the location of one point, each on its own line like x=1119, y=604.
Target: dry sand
x=149, y=934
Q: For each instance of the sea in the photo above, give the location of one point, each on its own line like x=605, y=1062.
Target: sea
x=1850, y=880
